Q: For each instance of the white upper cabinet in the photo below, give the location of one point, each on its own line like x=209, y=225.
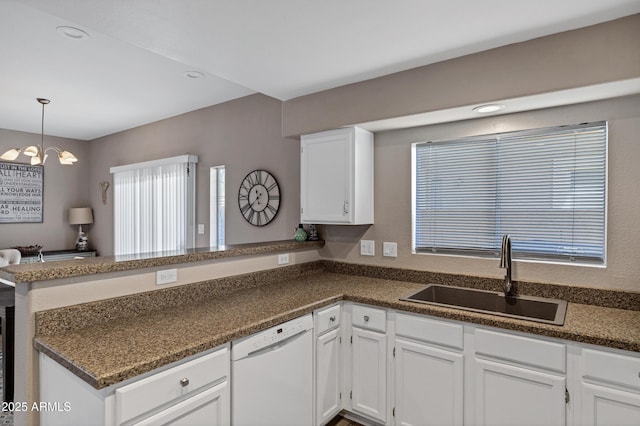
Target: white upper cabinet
x=336, y=177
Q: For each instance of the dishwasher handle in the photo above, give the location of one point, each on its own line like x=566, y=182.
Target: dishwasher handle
x=275, y=346
x=278, y=335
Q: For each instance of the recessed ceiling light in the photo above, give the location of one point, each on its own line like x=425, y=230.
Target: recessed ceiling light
x=72, y=32
x=193, y=74
x=484, y=109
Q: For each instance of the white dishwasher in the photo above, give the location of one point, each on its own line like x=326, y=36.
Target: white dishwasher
x=272, y=376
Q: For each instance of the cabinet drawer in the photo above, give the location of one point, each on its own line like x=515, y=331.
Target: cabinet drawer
x=327, y=319
x=370, y=318
x=611, y=368
x=430, y=330
x=522, y=350
x=159, y=389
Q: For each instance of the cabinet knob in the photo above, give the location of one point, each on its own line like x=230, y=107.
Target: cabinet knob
x=366, y=318
x=332, y=319
x=184, y=382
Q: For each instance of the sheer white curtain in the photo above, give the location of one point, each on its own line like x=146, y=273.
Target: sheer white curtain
x=154, y=205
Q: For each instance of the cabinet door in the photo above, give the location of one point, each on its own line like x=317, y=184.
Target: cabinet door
x=609, y=387
x=210, y=407
x=369, y=374
x=603, y=406
x=429, y=385
x=513, y=396
x=325, y=177
x=328, y=376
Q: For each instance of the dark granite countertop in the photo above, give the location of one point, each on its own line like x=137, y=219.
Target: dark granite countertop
x=31, y=272
x=107, y=351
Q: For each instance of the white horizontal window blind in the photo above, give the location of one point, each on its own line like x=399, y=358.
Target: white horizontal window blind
x=154, y=205
x=544, y=187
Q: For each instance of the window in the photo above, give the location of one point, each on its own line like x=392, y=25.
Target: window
x=544, y=187
x=154, y=205
x=216, y=206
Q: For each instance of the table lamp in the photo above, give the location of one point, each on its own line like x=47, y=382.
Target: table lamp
x=81, y=216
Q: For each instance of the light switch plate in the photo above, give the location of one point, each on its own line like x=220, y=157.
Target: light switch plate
x=390, y=249
x=166, y=276
x=367, y=248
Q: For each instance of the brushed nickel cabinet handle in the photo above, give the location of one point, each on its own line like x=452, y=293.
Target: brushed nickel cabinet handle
x=366, y=318
x=184, y=382
x=332, y=319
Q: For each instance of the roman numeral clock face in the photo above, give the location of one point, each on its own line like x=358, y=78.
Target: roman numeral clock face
x=259, y=197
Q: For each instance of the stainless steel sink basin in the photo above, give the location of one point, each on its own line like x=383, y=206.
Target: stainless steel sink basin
x=539, y=309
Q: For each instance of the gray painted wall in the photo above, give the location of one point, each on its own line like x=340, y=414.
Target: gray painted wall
x=243, y=135
x=246, y=134
x=602, y=53
x=64, y=187
x=393, y=199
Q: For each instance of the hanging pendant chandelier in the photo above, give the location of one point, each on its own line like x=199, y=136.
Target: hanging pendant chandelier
x=38, y=153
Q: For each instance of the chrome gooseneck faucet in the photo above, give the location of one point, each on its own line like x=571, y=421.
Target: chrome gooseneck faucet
x=505, y=262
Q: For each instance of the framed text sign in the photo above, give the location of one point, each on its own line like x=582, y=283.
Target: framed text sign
x=21, y=193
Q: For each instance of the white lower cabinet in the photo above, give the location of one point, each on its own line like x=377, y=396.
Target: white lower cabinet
x=510, y=396
x=605, y=406
x=440, y=372
x=369, y=374
x=429, y=372
x=329, y=363
x=206, y=408
x=368, y=363
x=518, y=380
x=609, y=388
x=195, y=391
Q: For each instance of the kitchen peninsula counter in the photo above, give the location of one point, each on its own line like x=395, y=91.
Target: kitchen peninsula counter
x=44, y=271
x=109, y=341
x=54, y=285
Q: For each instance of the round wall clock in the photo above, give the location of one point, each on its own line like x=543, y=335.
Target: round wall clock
x=259, y=197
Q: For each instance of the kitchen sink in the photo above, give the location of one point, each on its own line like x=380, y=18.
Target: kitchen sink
x=539, y=309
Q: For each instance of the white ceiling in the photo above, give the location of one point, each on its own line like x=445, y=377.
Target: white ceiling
x=130, y=71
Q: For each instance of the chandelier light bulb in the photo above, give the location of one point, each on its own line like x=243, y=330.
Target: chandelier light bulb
x=38, y=153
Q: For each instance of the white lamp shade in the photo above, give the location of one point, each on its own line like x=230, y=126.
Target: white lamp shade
x=31, y=151
x=37, y=152
x=80, y=216
x=11, y=155
x=65, y=157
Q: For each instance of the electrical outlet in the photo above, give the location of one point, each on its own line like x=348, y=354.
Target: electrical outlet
x=167, y=276
x=201, y=228
x=283, y=259
x=390, y=249
x=367, y=248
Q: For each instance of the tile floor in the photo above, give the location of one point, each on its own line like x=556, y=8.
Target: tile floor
x=341, y=421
